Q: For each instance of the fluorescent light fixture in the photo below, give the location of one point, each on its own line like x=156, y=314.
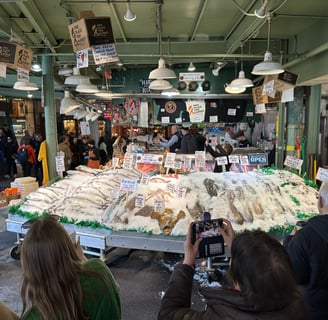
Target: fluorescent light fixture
x=160, y=84
x=162, y=72
x=68, y=104
x=25, y=86
x=129, y=14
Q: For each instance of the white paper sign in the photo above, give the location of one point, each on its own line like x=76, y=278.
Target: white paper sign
x=60, y=164
x=159, y=205
x=213, y=119
x=232, y=112
x=221, y=160
x=128, y=160
x=181, y=192
x=3, y=70
x=145, y=179
x=287, y=95
x=233, y=158
x=322, y=174
x=165, y=119
x=82, y=58
x=170, y=160
x=139, y=200
x=200, y=159
x=150, y=158
x=293, y=162
x=128, y=185
x=104, y=53
x=115, y=162
x=244, y=160
x=85, y=128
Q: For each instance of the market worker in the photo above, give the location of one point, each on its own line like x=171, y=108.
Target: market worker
x=6, y=313
x=243, y=142
x=220, y=151
x=174, y=143
x=93, y=154
x=263, y=286
x=58, y=282
x=188, y=142
x=308, y=251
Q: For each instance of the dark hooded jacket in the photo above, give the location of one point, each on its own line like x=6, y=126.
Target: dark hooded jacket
x=222, y=304
x=308, y=251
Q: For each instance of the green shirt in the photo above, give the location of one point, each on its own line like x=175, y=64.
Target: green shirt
x=100, y=300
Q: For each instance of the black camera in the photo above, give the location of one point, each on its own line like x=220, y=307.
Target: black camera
x=212, y=243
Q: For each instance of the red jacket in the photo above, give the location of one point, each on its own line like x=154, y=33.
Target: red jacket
x=31, y=154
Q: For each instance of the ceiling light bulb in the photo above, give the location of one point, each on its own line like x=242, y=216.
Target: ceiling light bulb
x=129, y=14
x=191, y=67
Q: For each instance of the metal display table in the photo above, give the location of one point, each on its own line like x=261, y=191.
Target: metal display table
x=98, y=242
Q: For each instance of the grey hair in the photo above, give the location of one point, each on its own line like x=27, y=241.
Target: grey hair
x=324, y=193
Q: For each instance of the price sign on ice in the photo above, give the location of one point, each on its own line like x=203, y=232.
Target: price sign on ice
x=60, y=164
x=293, y=162
x=221, y=161
x=128, y=185
x=139, y=200
x=322, y=174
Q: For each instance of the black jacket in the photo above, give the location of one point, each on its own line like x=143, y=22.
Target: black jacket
x=308, y=251
x=222, y=303
x=219, y=152
x=188, y=144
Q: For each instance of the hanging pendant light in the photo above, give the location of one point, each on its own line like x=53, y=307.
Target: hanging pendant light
x=268, y=66
x=68, y=104
x=241, y=81
x=191, y=67
x=161, y=72
x=160, y=84
x=230, y=89
x=25, y=86
x=129, y=14
x=75, y=79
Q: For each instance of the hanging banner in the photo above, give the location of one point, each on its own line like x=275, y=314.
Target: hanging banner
x=104, y=53
x=82, y=59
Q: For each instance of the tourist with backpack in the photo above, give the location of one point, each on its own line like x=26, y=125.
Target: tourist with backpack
x=26, y=157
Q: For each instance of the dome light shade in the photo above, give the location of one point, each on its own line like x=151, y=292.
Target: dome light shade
x=234, y=90
x=170, y=92
x=26, y=86
x=75, y=79
x=65, y=71
x=160, y=84
x=162, y=72
x=68, y=104
x=241, y=81
x=267, y=66
x=86, y=87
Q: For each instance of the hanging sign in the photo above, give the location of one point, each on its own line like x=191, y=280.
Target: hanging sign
x=85, y=128
x=104, y=53
x=82, y=59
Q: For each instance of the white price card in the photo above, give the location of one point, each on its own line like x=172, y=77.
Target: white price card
x=322, y=174
x=159, y=205
x=114, y=193
x=129, y=185
x=200, y=159
x=145, y=179
x=293, y=162
x=139, y=200
x=128, y=160
x=181, y=192
x=244, y=160
x=234, y=158
x=60, y=164
x=115, y=162
x=221, y=161
x=170, y=160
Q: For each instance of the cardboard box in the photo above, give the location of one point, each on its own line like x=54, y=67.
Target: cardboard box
x=15, y=56
x=90, y=31
x=25, y=185
x=283, y=81
x=258, y=98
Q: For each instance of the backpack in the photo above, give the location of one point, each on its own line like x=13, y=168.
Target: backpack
x=22, y=155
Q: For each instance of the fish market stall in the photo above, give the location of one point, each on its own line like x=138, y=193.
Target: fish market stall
x=128, y=208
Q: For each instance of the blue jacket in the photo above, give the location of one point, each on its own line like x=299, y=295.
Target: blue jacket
x=308, y=251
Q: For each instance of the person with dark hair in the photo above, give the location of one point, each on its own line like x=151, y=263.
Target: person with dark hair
x=220, y=151
x=11, y=156
x=308, y=251
x=243, y=142
x=174, y=143
x=83, y=150
x=58, y=282
x=102, y=146
x=93, y=155
x=200, y=139
x=263, y=286
x=29, y=161
x=188, y=142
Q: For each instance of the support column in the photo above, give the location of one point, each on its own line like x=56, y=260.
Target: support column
x=295, y=123
x=49, y=113
x=312, y=128
x=280, y=136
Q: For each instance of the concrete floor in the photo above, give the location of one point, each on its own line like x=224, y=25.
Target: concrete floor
x=141, y=275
